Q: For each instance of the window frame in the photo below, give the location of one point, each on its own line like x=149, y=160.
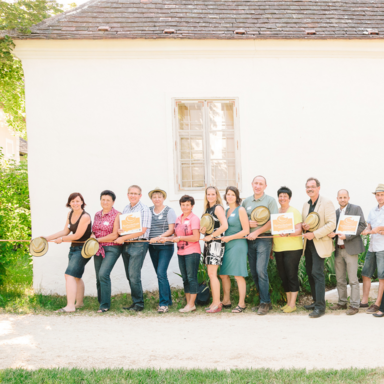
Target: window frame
x=206, y=142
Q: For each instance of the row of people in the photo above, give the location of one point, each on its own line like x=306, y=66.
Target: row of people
x=235, y=237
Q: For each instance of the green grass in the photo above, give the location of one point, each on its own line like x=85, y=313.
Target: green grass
x=75, y=376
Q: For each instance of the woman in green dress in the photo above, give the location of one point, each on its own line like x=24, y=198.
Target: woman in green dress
x=236, y=249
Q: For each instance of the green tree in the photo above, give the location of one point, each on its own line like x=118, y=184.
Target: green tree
x=20, y=16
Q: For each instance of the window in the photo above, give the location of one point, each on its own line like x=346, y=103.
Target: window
x=206, y=144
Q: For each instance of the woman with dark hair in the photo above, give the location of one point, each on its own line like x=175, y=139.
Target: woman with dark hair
x=105, y=230
x=288, y=250
x=236, y=249
x=79, y=223
x=214, y=247
x=163, y=225
x=187, y=236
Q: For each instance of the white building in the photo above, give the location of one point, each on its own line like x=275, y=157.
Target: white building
x=181, y=94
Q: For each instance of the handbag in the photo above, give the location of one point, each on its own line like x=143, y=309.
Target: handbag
x=203, y=294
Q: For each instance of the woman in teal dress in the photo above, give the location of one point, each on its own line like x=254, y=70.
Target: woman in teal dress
x=236, y=249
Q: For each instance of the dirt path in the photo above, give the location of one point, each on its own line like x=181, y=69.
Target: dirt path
x=218, y=341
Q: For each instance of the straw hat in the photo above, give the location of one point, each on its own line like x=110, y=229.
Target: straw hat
x=207, y=222
x=150, y=193
x=90, y=247
x=38, y=247
x=380, y=188
x=313, y=220
x=261, y=214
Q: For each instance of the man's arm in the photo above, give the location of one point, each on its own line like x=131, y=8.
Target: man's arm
x=330, y=221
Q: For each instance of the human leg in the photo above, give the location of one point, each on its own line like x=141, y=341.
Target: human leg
x=263, y=251
x=291, y=267
x=137, y=252
x=97, y=261
x=380, y=275
x=279, y=257
x=242, y=286
x=308, y=268
x=369, y=268
x=192, y=262
x=352, y=267
x=165, y=255
x=341, y=276
x=226, y=284
x=112, y=254
x=71, y=290
x=319, y=279
x=215, y=284
x=80, y=290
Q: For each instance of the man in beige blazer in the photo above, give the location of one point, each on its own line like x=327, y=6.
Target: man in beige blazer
x=319, y=245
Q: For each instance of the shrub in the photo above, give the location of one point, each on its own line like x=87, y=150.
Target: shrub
x=15, y=223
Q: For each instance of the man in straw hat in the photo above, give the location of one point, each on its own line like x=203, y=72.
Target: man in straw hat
x=260, y=249
x=375, y=255
x=347, y=252
x=134, y=253
x=318, y=245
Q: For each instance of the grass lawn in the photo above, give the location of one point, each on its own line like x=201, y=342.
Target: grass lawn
x=75, y=376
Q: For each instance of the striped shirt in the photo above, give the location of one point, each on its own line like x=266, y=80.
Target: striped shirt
x=161, y=221
x=146, y=217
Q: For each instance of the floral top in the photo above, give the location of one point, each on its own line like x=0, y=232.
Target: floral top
x=103, y=226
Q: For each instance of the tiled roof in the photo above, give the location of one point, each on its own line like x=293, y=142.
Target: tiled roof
x=200, y=19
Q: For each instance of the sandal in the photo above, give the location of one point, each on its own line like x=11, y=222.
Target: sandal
x=103, y=310
x=239, y=309
x=215, y=309
x=163, y=309
x=227, y=306
x=62, y=310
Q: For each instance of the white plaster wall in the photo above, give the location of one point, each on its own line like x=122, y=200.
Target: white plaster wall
x=99, y=116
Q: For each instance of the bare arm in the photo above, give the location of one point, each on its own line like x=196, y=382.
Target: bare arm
x=298, y=231
x=189, y=239
x=244, y=225
x=220, y=213
x=112, y=236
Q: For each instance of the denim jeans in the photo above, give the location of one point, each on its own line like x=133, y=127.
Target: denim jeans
x=258, y=257
x=189, y=265
x=161, y=255
x=314, y=265
x=103, y=268
x=133, y=258
x=374, y=260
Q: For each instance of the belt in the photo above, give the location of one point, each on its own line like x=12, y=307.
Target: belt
x=341, y=246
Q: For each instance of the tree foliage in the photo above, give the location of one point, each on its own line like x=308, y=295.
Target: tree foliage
x=15, y=219
x=19, y=15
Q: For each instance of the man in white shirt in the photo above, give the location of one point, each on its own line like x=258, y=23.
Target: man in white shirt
x=375, y=255
x=347, y=252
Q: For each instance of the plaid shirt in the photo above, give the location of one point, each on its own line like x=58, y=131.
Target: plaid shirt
x=146, y=217
x=103, y=226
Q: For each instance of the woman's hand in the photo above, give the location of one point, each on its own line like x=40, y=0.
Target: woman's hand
x=203, y=230
x=59, y=240
x=208, y=238
x=162, y=240
x=283, y=234
x=366, y=232
x=225, y=239
x=253, y=224
x=120, y=231
x=154, y=240
x=93, y=236
x=119, y=240
x=176, y=239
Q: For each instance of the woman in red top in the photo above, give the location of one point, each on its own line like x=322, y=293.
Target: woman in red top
x=104, y=229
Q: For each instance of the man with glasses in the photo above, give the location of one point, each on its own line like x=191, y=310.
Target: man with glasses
x=318, y=245
x=134, y=253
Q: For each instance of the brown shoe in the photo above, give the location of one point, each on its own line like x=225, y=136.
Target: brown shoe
x=264, y=309
x=352, y=311
x=338, y=306
x=373, y=309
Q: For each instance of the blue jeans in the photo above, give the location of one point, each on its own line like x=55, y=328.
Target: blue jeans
x=103, y=268
x=133, y=258
x=258, y=257
x=374, y=260
x=161, y=255
x=314, y=266
x=189, y=265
